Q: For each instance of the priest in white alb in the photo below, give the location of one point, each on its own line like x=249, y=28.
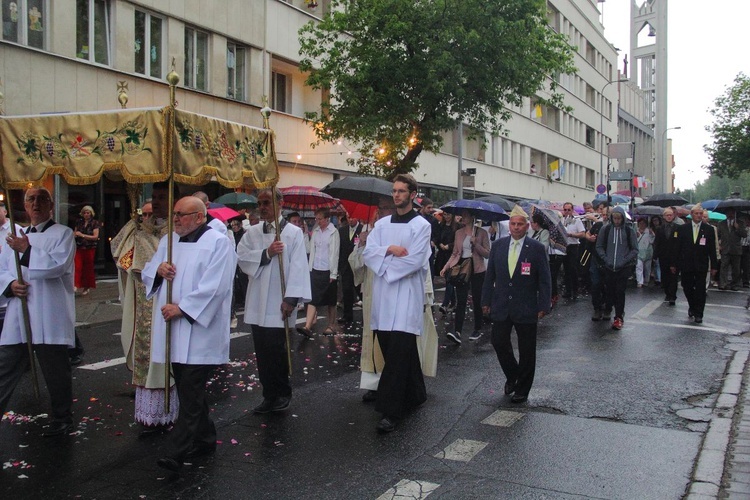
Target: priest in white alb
x=398, y=251
x=201, y=272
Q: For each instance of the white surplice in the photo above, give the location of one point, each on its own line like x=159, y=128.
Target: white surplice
x=51, y=299
x=202, y=289
x=263, y=298
x=398, y=286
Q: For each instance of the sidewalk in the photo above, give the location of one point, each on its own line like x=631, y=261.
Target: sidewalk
x=101, y=305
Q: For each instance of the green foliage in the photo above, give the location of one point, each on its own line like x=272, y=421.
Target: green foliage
x=401, y=72
x=730, y=150
x=719, y=188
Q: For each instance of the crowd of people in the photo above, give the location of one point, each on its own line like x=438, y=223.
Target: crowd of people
x=181, y=302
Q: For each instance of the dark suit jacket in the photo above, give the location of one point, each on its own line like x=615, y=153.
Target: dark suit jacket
x=521, y=297
x=692, y=257
x=346, y=246
x=730, y=239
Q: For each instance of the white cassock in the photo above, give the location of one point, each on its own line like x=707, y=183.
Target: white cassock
x=263, y=298
x=202, y=288
x=51, y=299
x=398, y=285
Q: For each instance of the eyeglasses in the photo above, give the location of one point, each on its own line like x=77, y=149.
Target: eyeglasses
x=179, y=215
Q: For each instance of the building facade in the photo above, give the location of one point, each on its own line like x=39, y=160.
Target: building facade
x=72, y=56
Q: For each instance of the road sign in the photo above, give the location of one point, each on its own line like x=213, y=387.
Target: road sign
x=601, y=189
x=620, y=176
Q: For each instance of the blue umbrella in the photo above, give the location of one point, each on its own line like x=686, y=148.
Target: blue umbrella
x=616, y=198
x=479, y=209
x=710, y=204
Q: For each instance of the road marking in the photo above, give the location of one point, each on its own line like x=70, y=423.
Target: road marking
x=503, y=418
x=690, y=327
x=648, y=309
x=725, y=305
x=406, y=488
x=461, y=450
x=103, y=364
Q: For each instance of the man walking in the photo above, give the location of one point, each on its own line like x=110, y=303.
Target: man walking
x=348, y=238
x=398, y=252
x=517, y=293
x=201, y=272
x=731, y=233
x=576, y=231
x=694, y=249
x=665, y=239
x=266, y=307
x=47, y=252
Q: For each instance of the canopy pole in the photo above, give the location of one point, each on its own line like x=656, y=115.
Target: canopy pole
x=24, y=301
x=173, y=78
x=282, y=278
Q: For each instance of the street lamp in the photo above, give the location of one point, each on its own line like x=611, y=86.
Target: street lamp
x=601, y=130
x=664, y=155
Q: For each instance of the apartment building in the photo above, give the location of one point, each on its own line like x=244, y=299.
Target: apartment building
x=73, y=55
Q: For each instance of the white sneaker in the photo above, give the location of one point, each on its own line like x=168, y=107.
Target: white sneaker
x=455, y=337
x=233, y=323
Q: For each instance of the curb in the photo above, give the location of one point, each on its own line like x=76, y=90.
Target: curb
x=709, y=465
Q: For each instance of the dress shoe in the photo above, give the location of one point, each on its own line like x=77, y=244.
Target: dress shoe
x=200, y=450
x=519, y=398
x=386, y=425
x=151, y=430
x=698, y=319
x=281, y=403
x=606, y=314
x=510, y=388
x=370, y=397
x=690, y=313
x=597, y=316
x=265, y=407
x=170, y=464
x=671, y=302
x=735, y=289
x=75, y=360
x=57, y=429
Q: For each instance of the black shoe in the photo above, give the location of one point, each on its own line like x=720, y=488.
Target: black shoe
x=567, y=296
x=386, y=425
x=151, y=430
x=690, y=313
x=281, y=403
x=519, y=398
x=370, y=397
x=265, y=407
x=75, y=360
x=170, y=464
x=597, y=316
x=57, y=429
x=443, y=310
x=200, y=450
x=698, y=320
x=671, y=302
x=344, y=321
x=606, y=315
x=735, y=289
x=510, y=388
x=455, y=337
x=476, y=335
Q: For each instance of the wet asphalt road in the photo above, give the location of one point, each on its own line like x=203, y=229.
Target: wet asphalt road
x=611, y=415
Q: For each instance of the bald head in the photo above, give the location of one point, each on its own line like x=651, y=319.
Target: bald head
x=189, y=214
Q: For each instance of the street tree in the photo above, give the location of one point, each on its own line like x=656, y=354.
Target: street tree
x=730, y=150
x=397, y=74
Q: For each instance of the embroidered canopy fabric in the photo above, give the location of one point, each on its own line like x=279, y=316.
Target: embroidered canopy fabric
x=139, y=145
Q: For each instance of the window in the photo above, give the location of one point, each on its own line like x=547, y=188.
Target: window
x=236, y=71
x=148, y=48
x=92, y=30
x=279, y=91
x=590, y=137
x=196, y=59
x=24, y=22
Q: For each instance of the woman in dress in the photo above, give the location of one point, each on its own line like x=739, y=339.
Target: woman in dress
x=87, y=238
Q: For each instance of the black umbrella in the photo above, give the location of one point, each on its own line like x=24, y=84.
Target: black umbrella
x=365, y=190
x=665, y=200
x=504, y=203
x=736, y=204
x=648, y=210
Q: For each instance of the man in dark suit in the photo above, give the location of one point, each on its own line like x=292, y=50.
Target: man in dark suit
x=517, y=298
x=349, y=236
x=731, y=231
x=694, y=249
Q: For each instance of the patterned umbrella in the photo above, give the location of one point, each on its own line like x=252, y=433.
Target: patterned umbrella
x=306, y=198
x=553, y=224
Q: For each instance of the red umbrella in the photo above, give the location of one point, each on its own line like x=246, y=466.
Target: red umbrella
x=222, y=213
x=359, y=211
x=306, y=198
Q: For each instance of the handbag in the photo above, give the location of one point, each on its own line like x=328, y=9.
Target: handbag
x=461, y=272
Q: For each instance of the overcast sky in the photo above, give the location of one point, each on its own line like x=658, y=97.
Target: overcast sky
x=707, y=49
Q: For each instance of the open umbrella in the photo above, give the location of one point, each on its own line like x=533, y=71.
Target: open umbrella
x=737, y=204
x=649, y=210
x=488, y=212
x=712, y=216
x=710, y=204
x=552, y=223
x=616, y=198
x=222, y=213
x=360, y=195
x=665, y=200
x=504, y=203
x=306, y=198
x=237, y=200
